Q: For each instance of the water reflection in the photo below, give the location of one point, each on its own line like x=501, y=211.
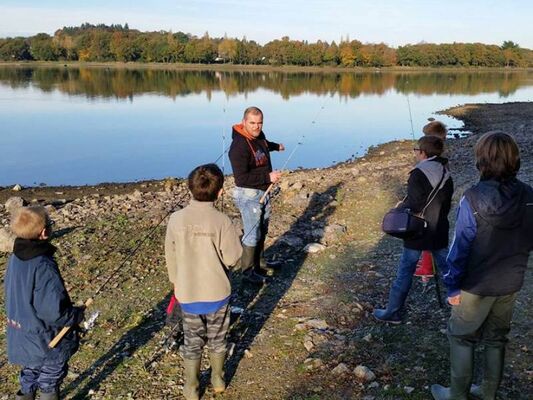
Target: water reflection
x=126, y=83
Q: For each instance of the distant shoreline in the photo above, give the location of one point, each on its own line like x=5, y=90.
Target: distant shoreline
x=251, y=68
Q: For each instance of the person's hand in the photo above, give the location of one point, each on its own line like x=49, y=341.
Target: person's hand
x=455, y=300
x=281, y=147
x=274, y=176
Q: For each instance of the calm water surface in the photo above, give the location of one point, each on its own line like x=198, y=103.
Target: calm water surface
x=71, y=126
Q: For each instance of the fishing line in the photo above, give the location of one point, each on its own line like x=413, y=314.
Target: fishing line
x=410, y=117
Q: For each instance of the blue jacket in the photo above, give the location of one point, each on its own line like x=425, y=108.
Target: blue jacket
x=493, y=239
x=37, y=306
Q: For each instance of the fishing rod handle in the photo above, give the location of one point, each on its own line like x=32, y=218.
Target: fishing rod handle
x=263, y=198
x=65, y=329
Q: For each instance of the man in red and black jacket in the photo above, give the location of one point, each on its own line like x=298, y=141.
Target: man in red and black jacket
x=249, y=155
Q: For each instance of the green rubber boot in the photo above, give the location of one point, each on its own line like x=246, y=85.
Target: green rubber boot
x=192, y=376
x=27, y=396
x=49, y=396
x=217, y=371
x=461, y=367
x=493, y=359
x=247, y=266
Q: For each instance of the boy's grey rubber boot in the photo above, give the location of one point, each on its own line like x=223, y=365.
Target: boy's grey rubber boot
x=49, y=396
x=247, y=266
x=192, y=376
x=493, y=360
x=461, y=367
x=217, y=371
x=27, y=396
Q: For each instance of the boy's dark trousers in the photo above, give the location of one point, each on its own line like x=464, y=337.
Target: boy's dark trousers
x=46, y=378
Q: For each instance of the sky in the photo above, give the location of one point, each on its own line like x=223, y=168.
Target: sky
x=395, y=23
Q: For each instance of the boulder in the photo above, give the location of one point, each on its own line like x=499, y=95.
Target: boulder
x=14, y=203
x=6, y=240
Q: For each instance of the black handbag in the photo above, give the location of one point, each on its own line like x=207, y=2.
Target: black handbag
x=404, y=224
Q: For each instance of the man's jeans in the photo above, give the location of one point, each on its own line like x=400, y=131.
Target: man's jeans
x=47, y=378
x=255, y=216
x=407, y=267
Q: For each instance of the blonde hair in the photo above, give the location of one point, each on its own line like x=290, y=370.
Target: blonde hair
x=29, y=222
x=435, y=128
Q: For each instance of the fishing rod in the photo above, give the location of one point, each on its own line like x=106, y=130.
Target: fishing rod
x=271, y=186
x=130, y=255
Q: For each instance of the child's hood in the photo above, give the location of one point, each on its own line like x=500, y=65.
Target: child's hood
x=26, y=249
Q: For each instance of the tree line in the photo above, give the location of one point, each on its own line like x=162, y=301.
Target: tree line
x=104, y=43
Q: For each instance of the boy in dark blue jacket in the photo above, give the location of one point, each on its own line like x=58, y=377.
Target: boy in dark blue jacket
x=37, y=307
x=486, y=266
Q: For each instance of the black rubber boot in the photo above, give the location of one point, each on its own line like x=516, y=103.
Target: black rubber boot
x=247, y=266
x=461, y=367
x=27, y=396
x=493, y=359
x=392, y=313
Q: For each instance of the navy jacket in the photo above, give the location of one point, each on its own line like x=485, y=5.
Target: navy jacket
x=493, y=239
x=37, y=306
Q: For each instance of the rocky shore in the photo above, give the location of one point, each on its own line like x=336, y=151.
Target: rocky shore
x=308, y=334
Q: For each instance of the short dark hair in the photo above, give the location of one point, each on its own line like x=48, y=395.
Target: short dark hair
x=205, y=182
x=497, y=156
x=431, y=145
x=435, y=128
x=252, y=110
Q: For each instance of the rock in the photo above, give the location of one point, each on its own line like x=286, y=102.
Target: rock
x=248, y=353
x=292, y=241
x=361, y=179
x=284, y=185
x=308, y=345
x=314, y=248
x=6, y=240
x=297, y=186
x=340, y=369
x=17, y=188
x=409, y=389
x=316, y=323
x=14, y=203
x=373, y=385
x=364, y=374
x=355, y=171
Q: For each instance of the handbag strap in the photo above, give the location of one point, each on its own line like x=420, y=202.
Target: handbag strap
x=434, y=192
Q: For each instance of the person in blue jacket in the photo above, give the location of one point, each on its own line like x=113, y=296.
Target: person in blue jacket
x=37, y=308
x=486, y=265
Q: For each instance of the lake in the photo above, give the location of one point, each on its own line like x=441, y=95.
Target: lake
x=75, y=126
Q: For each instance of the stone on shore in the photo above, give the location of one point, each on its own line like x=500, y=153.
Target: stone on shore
x=14, y=203
x=7, y=240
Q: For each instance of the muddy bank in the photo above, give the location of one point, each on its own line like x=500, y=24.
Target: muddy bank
x=308, y=334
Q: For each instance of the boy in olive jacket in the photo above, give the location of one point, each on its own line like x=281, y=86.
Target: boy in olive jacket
x=201, y=243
